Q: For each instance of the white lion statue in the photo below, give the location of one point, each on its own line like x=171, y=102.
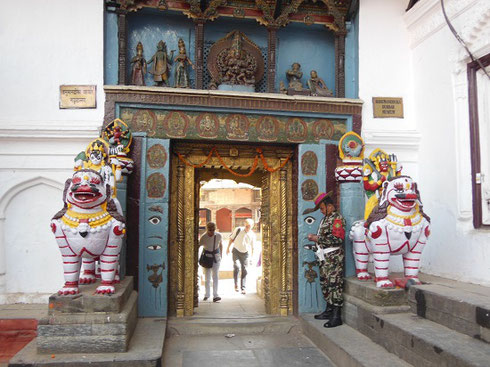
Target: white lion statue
x=89, y=227
x=396, y=226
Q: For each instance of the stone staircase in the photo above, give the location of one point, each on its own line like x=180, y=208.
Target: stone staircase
x=439, y=323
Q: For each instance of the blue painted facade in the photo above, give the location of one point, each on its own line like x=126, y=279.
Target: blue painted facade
x=111, y=49
x=149, y=28
x=352, y=59
x=352, y=209
x=153, y=236
x=312, y=47
x=309, y=293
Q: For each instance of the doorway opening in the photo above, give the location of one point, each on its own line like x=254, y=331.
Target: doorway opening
x=269, y=168
x=230, y=204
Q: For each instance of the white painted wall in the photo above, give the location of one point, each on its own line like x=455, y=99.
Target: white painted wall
x=455, y=249
x=385, y=71
x=45, y=43
x=413, y=55
x=53, y=42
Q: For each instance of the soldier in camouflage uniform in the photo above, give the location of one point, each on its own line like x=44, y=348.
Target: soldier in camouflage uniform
x=330, y=240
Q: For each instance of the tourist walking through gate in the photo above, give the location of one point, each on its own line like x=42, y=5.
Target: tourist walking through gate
x=243, y=240
x=212, y=244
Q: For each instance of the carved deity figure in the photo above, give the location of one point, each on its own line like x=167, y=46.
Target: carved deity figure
x=181, y=73
x=96, y=157
x=236, y=65
x=161, y=64
x=317, y=86
x=138, y=69
x=378, y=168
x=294, y=76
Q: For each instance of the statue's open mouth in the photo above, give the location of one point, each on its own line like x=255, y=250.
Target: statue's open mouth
x=405, y=201
x=85, y=197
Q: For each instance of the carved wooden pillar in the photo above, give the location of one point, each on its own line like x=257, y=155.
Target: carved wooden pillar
x=180, y=240
x=199, y=52
x=271, y=59
x=122, y=35
x=284, y=296
x=339, y=64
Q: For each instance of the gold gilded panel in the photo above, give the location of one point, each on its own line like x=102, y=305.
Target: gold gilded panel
x=189, y=243
x=172, y=253
x=277, y=228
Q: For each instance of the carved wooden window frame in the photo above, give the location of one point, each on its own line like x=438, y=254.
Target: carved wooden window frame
x=472, y=69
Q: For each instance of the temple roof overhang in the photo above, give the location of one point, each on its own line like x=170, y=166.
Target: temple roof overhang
x=271, y=13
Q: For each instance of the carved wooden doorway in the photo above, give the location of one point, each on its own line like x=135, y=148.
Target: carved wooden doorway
x=192, y=163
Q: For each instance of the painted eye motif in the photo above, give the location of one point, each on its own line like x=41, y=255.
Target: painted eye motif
x=154, y=247
x=155, y=219
x=310, y=220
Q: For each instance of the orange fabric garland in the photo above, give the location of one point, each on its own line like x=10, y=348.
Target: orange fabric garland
x=252, y=169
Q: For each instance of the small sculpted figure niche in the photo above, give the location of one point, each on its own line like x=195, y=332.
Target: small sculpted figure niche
x=181, y=73
x=161, y=64
x=317, y=86
x=138, y=68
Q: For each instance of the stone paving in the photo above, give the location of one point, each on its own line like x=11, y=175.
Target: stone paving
x=233, y=347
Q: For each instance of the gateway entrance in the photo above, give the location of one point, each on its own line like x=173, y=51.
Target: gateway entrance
x=193, y=163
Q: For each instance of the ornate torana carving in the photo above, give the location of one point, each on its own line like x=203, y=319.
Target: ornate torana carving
x=235, y=60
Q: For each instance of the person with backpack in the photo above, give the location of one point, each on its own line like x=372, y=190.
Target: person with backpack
x=243, y=240
x=211, y=241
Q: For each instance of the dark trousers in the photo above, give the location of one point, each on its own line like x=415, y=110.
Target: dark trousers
x=242, y=258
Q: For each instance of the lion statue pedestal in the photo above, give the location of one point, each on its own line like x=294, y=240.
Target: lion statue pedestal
x=88, y=322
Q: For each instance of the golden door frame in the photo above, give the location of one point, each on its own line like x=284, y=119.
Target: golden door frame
x=278, y=226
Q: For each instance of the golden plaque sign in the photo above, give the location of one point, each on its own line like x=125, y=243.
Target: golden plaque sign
x=77, y=96
x=388, y=107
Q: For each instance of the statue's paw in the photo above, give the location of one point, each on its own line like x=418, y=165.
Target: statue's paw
x=363, y=276
x=68, y=291
x=105, y=289
x=384, y=284
x=87, y=279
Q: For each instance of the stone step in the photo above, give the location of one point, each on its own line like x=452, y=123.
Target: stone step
x=346, y=346
x=90, y=333
x=239, y=326
x=461, y=307
x=145, y=350
x=88, y=301
x=360, y=314
x=368, y=292
x=422, y=342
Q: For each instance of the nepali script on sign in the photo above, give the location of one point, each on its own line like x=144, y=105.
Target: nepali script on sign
x=77, y=96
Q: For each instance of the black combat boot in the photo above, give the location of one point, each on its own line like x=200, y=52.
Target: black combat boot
x=325, y=315
x=336, y=319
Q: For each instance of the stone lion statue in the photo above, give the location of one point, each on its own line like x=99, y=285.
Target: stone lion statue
x=88, y=228
x=396, y=226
